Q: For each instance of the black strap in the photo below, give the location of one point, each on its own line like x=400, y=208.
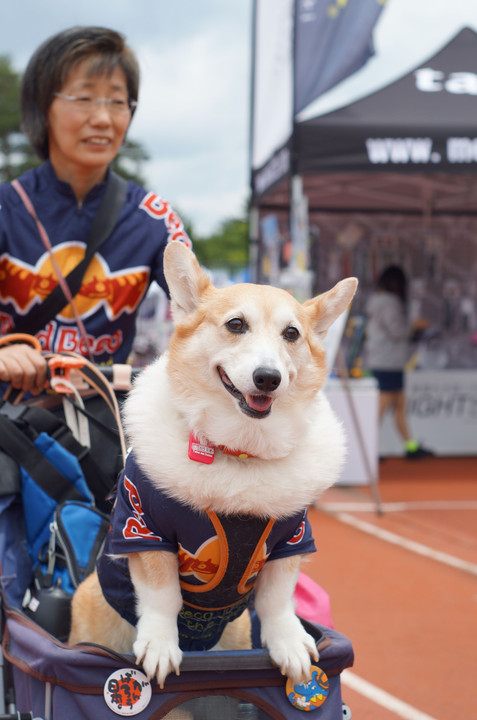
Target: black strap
x=102, y=226
x=98, y=545
x=24, y=451
x=44, y=421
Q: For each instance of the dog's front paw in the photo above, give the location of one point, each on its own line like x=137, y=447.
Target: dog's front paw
x=290, y=646
x=159, y=654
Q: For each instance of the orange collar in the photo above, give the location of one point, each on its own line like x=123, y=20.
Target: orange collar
x=205, y=452
x=235, y=453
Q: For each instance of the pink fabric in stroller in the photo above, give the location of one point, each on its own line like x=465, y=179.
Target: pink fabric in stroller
x=312, y=602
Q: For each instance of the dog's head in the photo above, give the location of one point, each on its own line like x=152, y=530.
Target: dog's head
x=248, y=351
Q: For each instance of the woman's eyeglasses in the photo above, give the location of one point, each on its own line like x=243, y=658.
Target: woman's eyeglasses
x=89, y=104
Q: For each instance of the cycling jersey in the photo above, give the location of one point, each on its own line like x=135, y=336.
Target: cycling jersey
x=119, y=273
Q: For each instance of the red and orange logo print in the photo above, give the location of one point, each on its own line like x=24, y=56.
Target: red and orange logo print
x=135, y=526
x=203, y=564
x=127, y=692
x=117, y=292
x=159, y=209
x=299, y=534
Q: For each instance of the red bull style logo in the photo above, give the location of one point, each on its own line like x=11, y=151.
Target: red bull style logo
x=204, y=564
x=116, y=292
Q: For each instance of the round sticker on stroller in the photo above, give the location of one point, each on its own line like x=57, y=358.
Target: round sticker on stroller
x=309, y=694
x=127, y=692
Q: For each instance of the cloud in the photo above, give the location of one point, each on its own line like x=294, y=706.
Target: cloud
x=193, y=115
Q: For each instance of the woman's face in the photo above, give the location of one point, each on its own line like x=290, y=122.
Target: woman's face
x=86, y=141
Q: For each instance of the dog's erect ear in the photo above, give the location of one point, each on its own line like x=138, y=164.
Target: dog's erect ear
x=185, y=278
x=327, y=307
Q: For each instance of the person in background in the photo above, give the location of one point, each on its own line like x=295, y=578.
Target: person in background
x=79, y=93
x=388, y=333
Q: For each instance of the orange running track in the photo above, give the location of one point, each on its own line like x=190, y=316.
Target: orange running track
x=403, y=588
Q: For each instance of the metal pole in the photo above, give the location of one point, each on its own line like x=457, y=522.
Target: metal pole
x=253, y=210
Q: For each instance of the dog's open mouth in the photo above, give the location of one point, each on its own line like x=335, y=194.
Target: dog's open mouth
x=255, y=406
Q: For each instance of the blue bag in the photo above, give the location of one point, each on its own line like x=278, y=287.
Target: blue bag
x=63, y=538
x=77, y=534
x=38, y=504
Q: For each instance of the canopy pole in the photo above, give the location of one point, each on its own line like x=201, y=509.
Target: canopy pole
x=254, y=213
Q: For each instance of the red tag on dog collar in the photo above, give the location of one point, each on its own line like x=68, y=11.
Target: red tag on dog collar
x=200, y=452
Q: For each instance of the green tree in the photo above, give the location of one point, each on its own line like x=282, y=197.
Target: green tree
x=16, y=155
x=228, y=248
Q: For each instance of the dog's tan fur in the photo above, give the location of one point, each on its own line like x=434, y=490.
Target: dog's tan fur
x=297, y=451
x=96, y=621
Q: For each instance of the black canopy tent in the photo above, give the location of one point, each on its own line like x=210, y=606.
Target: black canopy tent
x=403, y=155
x=426, y=120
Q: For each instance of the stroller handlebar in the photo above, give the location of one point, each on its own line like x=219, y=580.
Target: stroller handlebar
x=120, y=376
x=63, y=366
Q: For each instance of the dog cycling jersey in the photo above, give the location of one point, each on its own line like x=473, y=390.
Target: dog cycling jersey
x=115, y=281
x=219, y=556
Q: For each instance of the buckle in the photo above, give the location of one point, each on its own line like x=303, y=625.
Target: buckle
x=12, y=412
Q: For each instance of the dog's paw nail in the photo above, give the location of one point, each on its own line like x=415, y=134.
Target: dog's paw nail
x=139, y=650
x=292, y=655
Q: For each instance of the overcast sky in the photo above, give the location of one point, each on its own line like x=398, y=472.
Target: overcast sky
x=195, y=57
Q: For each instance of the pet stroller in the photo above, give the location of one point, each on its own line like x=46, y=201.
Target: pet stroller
x=44, y=678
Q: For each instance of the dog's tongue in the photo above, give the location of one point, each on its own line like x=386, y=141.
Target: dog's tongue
x=259, y=402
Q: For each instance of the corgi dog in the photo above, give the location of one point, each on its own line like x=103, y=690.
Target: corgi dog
x=231, y=439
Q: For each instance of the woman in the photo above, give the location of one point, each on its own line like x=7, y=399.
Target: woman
x=79, y=93
x=387, y=344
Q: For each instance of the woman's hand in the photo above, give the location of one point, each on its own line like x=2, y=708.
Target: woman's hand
x=23, y=367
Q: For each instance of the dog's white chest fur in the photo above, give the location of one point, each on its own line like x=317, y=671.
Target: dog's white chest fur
x=273, y=487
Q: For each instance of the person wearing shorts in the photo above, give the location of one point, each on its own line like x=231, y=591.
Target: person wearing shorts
x=388, y=332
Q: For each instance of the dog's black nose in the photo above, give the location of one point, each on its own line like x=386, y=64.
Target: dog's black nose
x=266, y=379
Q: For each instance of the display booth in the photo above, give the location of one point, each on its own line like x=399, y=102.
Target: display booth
x=391, y=178
x=442, y=410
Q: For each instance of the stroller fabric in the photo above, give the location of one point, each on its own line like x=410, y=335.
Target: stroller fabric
x=54, y=681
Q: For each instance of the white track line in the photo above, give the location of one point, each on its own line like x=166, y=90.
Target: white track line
x=411, y=545
x=381, y=697
x=399, y=506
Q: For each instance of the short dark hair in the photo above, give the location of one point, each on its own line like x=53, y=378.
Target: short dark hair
x=50, y=64
x=393, y=280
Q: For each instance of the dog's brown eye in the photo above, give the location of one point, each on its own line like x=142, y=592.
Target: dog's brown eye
x=236, y=325
x=291, y=334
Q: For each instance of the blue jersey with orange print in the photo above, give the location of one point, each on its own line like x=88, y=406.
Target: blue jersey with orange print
x=116, y=279
x=219, y=556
